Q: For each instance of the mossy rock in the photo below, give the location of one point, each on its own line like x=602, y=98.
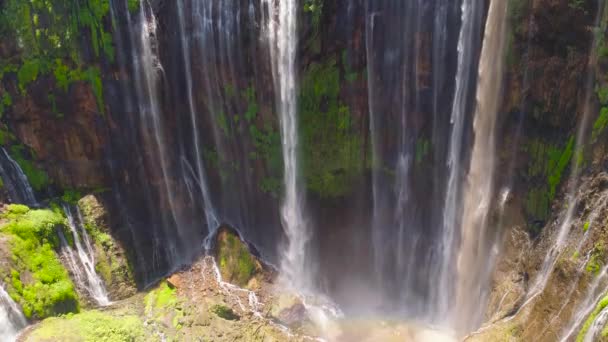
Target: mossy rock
x=32, y=272
x=236, y=260
x=112, y=262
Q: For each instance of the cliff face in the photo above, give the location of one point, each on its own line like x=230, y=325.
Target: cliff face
x=93, y=122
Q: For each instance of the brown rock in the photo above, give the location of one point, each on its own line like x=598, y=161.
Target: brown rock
x=175, y=281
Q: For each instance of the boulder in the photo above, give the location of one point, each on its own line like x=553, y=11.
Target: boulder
x=236, y=259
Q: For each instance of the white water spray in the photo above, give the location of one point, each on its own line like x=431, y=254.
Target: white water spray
x=84, y=260
x=281, y=29
x=15, y=181
x=11, y=318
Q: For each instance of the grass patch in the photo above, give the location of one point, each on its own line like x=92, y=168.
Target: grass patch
x=91, y=326
x=160, y=299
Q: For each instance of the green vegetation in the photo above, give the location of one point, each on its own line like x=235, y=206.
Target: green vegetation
x=111, y=263
x=596, y=260
x=518, y=11
x=163, y=297
x=70, y=196
x=267, y=144
x=236, y=263
x=600, y=124
x=38, y=280
x=576, y=4
x=547, y=165
x=51, y=34
x=331, y=149
x=37, y=178
x=600, y=306
x=5, y=101
x=91, y=326
x=315, y=8
x=225, y=312
x=252, y=105
x=422, y=149
x=586, y=226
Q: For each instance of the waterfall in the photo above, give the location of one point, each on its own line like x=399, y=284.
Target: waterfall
x=596, y=327
x=82, y=264
x=11, y=318
x=148, y=69
x=15, y=181
x=282, y=37
x=211, y=218
x=473, y=266
x=469, y=30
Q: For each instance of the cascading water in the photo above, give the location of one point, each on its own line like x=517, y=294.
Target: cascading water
x=148, y=69
x=82, y=264
x=416, y=213
x=282, y=37
x=597, y=326
x=595, y=292
x=477, y=238
x=15, y=181
x=201, y=177
x=11, y=318
x=470, y=27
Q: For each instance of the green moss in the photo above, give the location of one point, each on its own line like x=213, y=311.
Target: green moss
x=112, y=262
x=91, y=326
x=422, y=150
x=546, y=166
x=596, y=260
x=28, y=72
x=236, y=263
x=600, y=124
x=267, y=144
x=38, y=179
x=331, y=149
x=600, y=306
x=70, y=196
x=586, y=226
x=5, y=101
x=252, y=106
x=133, y=5
x=47, y=289
x=602, y=94
x=160, y=299
x=315, y=8
x=223, y=123
x=225, y=312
